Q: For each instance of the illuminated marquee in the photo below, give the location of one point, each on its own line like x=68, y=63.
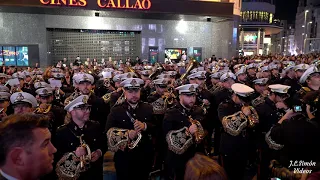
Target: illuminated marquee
x=117, y=4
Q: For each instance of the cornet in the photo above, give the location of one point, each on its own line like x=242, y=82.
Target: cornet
x=199, y=135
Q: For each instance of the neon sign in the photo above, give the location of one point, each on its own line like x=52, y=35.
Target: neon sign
x=121, y=4
x=115, y=4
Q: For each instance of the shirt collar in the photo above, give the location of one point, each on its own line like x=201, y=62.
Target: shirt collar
x=8, y=177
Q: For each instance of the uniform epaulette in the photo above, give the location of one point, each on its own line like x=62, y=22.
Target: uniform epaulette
x=154, y=92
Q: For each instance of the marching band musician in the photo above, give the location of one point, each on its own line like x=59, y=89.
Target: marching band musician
x=75, y=137
x=220, y=95
x=215, y=80
x=99, y=110
x=23, y=102
x=235, y=114
x=183, y=132
x=310, y=81
x=251, y=71
x=290, y=80
x=261, y=89
x=55, y=113
x=275, y=76
x=205, y=101
x=3, y=78
x=241, y=75
x=300, y=69
x=5, y=107
x=146, y=89
x=295, y=136
x=160, y=101
x=269, y=111
x=129, y=130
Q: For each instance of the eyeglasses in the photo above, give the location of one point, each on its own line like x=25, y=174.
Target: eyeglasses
x=83, y=108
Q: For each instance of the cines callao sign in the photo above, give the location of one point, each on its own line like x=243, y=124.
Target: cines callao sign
x=116, y=4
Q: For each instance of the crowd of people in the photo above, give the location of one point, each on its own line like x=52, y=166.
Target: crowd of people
x=212, y=120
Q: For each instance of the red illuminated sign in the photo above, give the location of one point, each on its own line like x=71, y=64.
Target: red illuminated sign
x=117, y=4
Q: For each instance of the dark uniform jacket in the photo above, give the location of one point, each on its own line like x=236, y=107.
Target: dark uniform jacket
x=99, y=109
x=176, y=118
x=66, y=140
x=232, y=145
x=295, y=86
x=299, y=137
x=133, y=163
x=269, y=115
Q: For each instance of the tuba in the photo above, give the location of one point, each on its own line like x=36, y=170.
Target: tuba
x=200, y=134
x=193, y=64
x=70, y=166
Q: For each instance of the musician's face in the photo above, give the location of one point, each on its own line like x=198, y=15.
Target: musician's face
x=4, y=104
x=188, y=100
x=81, y=114
x=266, y=74
x=132, y=95
x=299, y=73
x=85, y=87
x=193, y=81
x=242, y=77
x=160, y=90
x=214, y=81
x=251, y=72
x=260, y=88
x=22, y=108
x=28, y=79
x=200, y=82
x=314, y=79
x=45, y=99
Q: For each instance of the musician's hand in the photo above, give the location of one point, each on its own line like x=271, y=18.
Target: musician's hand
x=193, y=129
x=246, y=110
x=139, y=126
x=206, y=102
x=96, y=155
x=265, y=93
x=80, y=151
x=132, y=134
x=281, y=105
x=2, y=115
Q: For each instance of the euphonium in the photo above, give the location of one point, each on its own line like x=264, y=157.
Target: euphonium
x=253, y=118
x=199, y=135
x=70, y=166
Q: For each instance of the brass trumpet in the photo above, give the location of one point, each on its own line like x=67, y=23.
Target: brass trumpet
x=200, y=134
x=43, y=109
x=253, y=118
x=169, y=97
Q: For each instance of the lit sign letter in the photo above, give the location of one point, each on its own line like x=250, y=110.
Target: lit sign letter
x=111, y=2
x=72, y=3
x=99, y=4
x=82, y=3
x=119, y=4
x=138, y=3
x=128, y=4
x=44, y=2
x=146, y=4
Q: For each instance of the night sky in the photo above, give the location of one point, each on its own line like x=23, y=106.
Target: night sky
x=286, y=9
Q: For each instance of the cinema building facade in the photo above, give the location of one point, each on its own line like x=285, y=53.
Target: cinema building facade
x=49, y=30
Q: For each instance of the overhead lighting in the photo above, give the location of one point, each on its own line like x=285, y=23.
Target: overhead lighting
x=310, y=22
x=302, y=33
x=302, y=25
x=307, y=11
